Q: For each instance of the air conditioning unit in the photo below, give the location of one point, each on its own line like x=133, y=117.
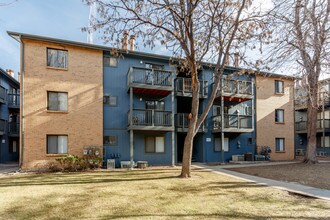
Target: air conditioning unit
x=320, y=153
x=111, y=164
x=237, y=157
x=300, y=152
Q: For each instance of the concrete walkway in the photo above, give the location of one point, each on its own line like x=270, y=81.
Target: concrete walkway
x=8, y=168
x=288, y=186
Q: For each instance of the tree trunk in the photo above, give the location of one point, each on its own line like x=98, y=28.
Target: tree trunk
x=312, y=109
x=189, y=140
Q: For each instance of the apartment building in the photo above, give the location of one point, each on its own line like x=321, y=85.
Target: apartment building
x=134, y=107
x=9, y=117
x=323, y=118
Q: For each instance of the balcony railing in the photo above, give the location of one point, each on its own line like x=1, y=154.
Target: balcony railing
x=13, y=128
x=182, y=122
x=183, y=87
x=13, y=100
x=2, y=94
x=2, y=126
x=149, y=78
x=302, y=125
x=145, y=118
x=232, y=122
x=236, y=88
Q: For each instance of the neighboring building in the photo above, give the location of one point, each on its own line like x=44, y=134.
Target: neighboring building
x=144, y=114
x=9, y=117
x=323, y=118
x=275, y=115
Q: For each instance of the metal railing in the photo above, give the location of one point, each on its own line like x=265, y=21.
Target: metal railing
x=140, y=75
x=232, y=121
x=2, y=94
x=13, y=128
x=182, y=121
x=13, y=100
x=150, y=117
x=302, y=125
x=2, y=125
x=237, y=87
x=184, y=86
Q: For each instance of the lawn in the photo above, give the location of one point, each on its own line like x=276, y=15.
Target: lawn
x=316, y=175
x=148, y=194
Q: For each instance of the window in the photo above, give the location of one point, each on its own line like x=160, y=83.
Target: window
x=110, y=61
x=57, y=144
x=155, y=66
x=325, y=142
x=110, y=100
x=279, y=87
x=57, y=58
x=13, y=147
x=217, y=144
x=250, y=141
x=279, y=115
x=110, y=140
x=279, y=144
x=57, y=101
x=155, y=144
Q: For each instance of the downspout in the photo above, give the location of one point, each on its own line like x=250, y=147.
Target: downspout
x=21, y=104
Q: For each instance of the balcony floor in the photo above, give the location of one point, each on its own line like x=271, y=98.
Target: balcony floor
x=234, y=130
x=150, y=128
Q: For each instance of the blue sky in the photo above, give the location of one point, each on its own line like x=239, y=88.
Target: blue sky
x=52, y=18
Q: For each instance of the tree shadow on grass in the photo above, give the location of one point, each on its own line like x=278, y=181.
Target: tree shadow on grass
x=72, y=179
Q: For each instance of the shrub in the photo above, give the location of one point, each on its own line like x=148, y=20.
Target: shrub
x=73, y=163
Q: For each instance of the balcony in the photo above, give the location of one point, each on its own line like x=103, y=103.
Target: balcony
x=236, y=90
x=150, y=81
x=2, y=94
x=2, y=126
x=182, y=123
x=233, y=123
x=301, y=126
x=13, y=101
x=13, y=129
x=183, y=87
x=149, y=119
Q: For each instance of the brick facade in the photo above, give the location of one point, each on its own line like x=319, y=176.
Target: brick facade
x=83, y=81
x=266, y=103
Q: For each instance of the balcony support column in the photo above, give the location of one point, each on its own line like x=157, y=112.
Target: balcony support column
x=222, y=127
x=172, y=121
x=131, y=135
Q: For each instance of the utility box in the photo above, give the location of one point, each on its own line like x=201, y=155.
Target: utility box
x=237, y=158
x=248, y=157
x=142, y=164
x=111, y=164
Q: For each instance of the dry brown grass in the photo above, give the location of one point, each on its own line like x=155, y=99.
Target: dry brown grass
x=316, y=175
x=148, y=194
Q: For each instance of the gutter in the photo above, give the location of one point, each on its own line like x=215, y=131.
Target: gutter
x=21, y=103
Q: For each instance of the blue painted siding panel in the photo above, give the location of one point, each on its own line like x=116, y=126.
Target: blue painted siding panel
x=115, y=119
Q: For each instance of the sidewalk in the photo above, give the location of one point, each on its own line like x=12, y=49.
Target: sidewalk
x=288, y=186
x=8, y=168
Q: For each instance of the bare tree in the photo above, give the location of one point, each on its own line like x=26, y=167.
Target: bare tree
x=301, y=31
x=193, y=30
